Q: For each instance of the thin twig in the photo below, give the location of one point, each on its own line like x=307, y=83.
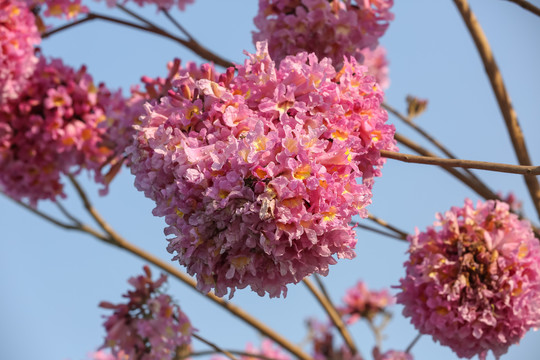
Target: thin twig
x=236, y=352
x=67, y=26
x=119, y=241
x=527, y=6
x=177, y=24
x=214, y=346
x=333, y=314
x=479, y=187
x=191, y=44
x=413, y=342
x=407, y=120
x=67, y=213
x=137, y=16
x=472, y=164
x=402, y=234
x=321, y=286
x=375, y=230
x=503, y=99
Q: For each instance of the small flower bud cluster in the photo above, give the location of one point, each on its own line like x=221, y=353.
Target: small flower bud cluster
x=360, y=302
x=18, y=36
x=473, y=282
x=150, y=326
x=68, y=9
x=256, y=174
x=61, y=123
x=332, y=29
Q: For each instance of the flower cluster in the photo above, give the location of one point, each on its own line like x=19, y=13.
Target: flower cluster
x=377, y=65
x=256, y=175
x=68, y=9
x=60, y=124
x=18, y=36
x=331, y=29
x=161, y=4
x=394, y=355
x=360, y=302
x=324, y=348
x=268, y=350
x=476, y=277
x=102, y=355
x=149, y=326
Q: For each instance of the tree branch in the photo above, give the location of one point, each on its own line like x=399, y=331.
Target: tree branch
x=527, y=6
x=190, y=44
x=335, y=317
x=214, y=346
x=503, y=99
x=471, y=164
x=117, y=240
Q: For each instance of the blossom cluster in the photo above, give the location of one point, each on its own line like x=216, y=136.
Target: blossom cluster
x=394, y=355
x=18, y=36
x=60, y=124
x=324, y=347
x=474, y=275
x=256, y=174
x=360, y=302
x=68, y=9
x=332, y=29
x=150, y=326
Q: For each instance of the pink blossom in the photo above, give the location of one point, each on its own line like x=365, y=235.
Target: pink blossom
x=360, y=302
x=102, y=355
x=331, y=29
x=150, y=326
x=161, y=4
x=324, y=348
x=18, y=36
x=68, y=9
x=256, y=174
x=377, y=65
x=473, y=283
x=267, y=349
x=60, y=124
x=394, y=355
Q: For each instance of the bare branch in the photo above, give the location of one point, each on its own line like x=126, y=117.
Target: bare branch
x=527, y=6
x=400, y=233
x=472, y=164
x=503, y=99
x=214, y=346
x=333, y=314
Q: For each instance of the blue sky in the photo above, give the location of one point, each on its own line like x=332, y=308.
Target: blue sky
x=53, y=279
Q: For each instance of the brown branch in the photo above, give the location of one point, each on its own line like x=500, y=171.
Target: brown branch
x=67, y=26
x=333, y=314
x=479, y=187
x=214, y=346
x=375, y=230
x=190, y=44
x=503, y=99
x=407, y=120
x=400, y=233
x=527, y=6
x=413, y=342
x=236, y=352
x=471, y=164
x=321, y=286
x=117, y=240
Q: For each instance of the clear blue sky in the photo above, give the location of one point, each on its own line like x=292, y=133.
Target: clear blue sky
x=52, y=279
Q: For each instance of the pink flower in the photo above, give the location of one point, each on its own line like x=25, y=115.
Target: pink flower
x=60, y=124
x=362, y=303
x=68, y=9
x=377, y=65
x=268, y=349
x=331, y=29
x=18, y=36
x=394, y=355
x=474, y=283
x=256, y=174
x=150, y=326
x=322, y=338
x=102, y=355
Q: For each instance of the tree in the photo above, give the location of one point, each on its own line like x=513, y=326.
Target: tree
x=392, y=198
